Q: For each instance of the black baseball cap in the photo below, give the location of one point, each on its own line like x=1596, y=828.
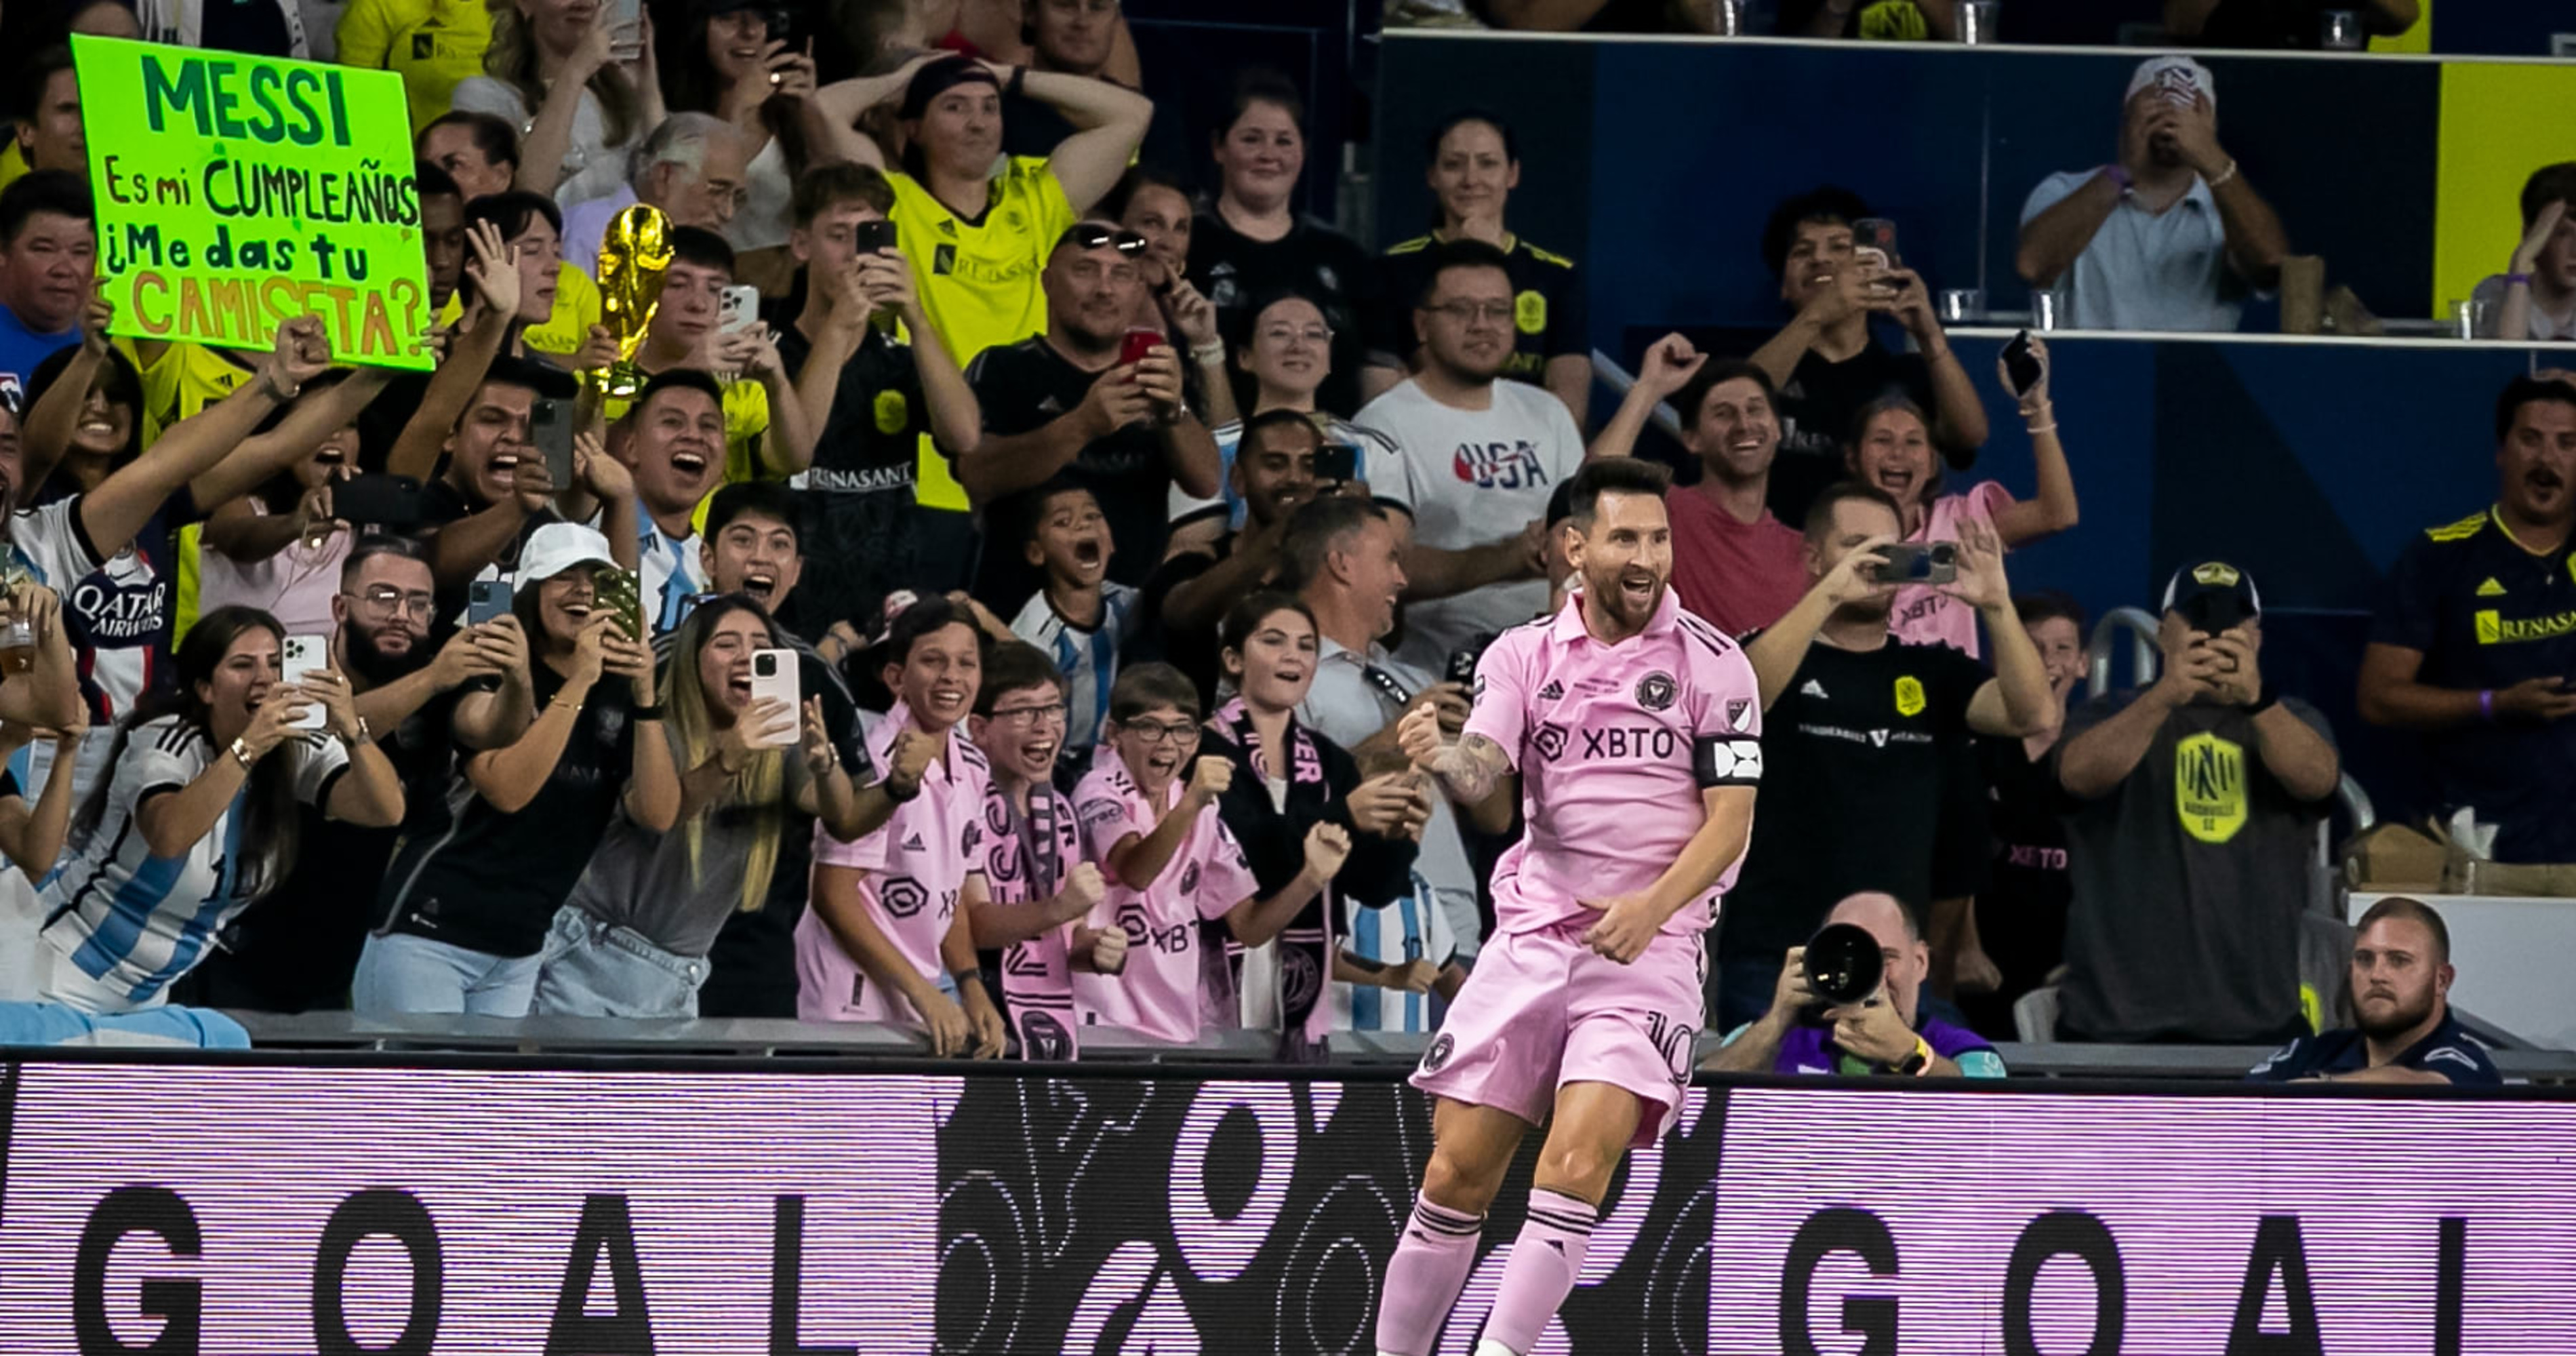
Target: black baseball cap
x=938, y=78
x=2213, y=596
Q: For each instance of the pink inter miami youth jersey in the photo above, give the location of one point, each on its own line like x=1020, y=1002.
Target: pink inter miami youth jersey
x=1159, y=993
x=1925, y=615
x=1614, y=744
x=916, y=863
x=1026, y=855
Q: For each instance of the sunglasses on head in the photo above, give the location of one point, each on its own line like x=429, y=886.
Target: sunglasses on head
x=1091, y=235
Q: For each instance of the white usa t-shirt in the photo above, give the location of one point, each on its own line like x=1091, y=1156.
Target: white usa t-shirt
x=1476, y=476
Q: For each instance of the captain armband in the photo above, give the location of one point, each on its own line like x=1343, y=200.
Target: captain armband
x=1718, y=760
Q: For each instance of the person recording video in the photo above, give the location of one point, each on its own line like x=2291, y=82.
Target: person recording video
x=1882, y=1033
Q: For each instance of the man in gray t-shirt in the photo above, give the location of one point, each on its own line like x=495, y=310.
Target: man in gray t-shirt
x=2188, y=846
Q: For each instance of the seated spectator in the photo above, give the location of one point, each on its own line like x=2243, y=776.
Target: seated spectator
x=466, y=907
x=2280, y=23
x=980, y=243
x=556, y=68
x=1891, y=450
x=672, y=445
x=1171, y=864
x=2535, y=297
x=2171, y=236
x=1859, y=720
x=296, y=948
x=2404, y=1030
x=1734, y=564
x=2475, y=641
x=48, y=111
x=478, y=150
x=48, y=247
x=1252, y=242
x=1063, y=403
x=1189, y=593
x=1039, y=890
x=1288, y=355
x=2017, y=929
x=691, y=166
x=728, y=63
x=198, y=818
x=762, y=407
x=1287, y=780
x=1473, y=166
x=1480, y=455
x=1826, y=364
x=886, y=939
x=442, y=231
x=2189, y=849
x=269, y=28
x=1345, y=556
x=1885, y=1033
x=1079, y=618
x=1871, y=20
x=633, y=939
x=434, y=47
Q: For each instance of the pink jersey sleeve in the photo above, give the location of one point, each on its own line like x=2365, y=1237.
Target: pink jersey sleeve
x=1726, y=718
x=869, y=852
x=1225, y=878
x=1501, y=711
x=1108, y=808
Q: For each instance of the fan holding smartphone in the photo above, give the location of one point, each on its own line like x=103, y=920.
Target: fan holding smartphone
x=1894, y=453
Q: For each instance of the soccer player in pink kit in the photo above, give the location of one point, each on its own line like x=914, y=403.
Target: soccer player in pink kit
x=1636, y=729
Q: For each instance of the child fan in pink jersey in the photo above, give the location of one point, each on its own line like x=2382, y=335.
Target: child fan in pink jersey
x=1036, y=889
x=1171, y=864
x=886, y=940
x=1636, y=730
x=1891, y=450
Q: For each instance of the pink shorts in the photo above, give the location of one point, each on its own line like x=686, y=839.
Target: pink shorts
x=1541, y=1010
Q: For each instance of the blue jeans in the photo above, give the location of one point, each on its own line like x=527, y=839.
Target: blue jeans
x=400, y=973
x=594, y=969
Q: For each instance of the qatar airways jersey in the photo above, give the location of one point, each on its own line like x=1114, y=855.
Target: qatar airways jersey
x=916, y=863
x=1614, y=744
x=1161, y=991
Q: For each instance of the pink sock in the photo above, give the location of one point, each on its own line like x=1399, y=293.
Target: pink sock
x=1544, y=1262
x=1423, y=1279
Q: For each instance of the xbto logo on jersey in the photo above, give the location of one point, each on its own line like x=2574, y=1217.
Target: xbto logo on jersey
x=1630, y=741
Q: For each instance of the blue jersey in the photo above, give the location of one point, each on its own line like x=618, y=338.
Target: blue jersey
x=2447, y=1050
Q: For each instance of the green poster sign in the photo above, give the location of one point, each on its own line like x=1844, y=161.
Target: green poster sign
x=235, y=192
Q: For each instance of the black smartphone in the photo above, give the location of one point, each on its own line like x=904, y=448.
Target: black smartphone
x=550, y=428
x=378, y=500
x=2021, y=366
x=781, y=23
x=1337, y=463
x=1914, y=562
x=876, y=236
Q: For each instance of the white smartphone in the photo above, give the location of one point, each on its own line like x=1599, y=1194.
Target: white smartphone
x=299, y=658
x=773, y=674
x=739, y=310
x=626, y=29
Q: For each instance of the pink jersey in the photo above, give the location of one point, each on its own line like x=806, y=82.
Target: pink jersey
x=1161, y=992
x=1925, y=615
x=1614, y=744
x=1026, y=856
x=916, y=863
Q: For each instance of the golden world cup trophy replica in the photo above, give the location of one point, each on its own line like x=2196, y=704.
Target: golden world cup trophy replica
x=633, y=255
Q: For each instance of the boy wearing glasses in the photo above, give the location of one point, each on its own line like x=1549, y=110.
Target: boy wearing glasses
x=1481, y=456
x=1149, y=820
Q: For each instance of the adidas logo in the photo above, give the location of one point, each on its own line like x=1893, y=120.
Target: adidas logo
x=1811, y=688
x=1554, y=691
x=912, y=843
x=2491, y=589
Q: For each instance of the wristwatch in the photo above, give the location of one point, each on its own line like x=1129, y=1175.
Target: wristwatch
x=1920, y=1062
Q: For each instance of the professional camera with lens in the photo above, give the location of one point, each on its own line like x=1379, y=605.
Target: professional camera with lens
x=1843, y=967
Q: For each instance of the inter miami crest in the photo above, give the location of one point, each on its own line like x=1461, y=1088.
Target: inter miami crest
x=1441, y=1048
x=1656, y=690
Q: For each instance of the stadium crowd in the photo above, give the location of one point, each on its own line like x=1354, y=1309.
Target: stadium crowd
x=999, y=610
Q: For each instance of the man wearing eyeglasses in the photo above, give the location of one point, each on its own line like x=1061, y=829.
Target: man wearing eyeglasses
x=1481, y=455
x=1070, y=402
x=295, y=950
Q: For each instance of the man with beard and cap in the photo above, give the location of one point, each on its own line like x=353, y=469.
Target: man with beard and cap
x=1064, y=403
x=2401, y=997
x=2189, y=849
x=1859, y=725
x=2170, y=236
x=296, y=949
x=2475, y=642
x=1636, y=730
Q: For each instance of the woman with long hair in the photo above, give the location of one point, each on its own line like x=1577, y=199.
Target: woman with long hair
x=1891, y=450
x=580, y=92
x=278, y=548
x=728, y=63
x=634, y=938
x=471, y=895
x=1289, y=778
x=199, y=815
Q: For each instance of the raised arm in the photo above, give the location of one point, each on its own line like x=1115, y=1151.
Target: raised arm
x=1109, y=124
x=508, y=778
x=652, y=797
x=48, y=695
x=308, y=421
x=549, y=138
x=1782, y=646
x=1668, y=366
x=1469, y=767
x=2052, y=237
x=2053, y=509
x=2513, y=316
x=2018, y=699
x=1137, y=860
x=45, y=433
x=492, y=265
x=841, y=104
x=1000, y=925
x=2256, y=244
x=2294, y=751
x=1256, y=921
x=1958, y=416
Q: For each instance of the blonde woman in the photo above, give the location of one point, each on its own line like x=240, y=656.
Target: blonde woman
x=579, y=92
x=633, y=940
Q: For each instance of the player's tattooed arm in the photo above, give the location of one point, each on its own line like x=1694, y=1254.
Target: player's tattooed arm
x=1472, y=767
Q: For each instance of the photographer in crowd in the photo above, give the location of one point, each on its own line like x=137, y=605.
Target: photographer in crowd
x=1885, y=1033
